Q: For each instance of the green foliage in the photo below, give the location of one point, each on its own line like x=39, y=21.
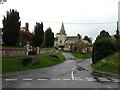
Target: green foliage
x=103, y=34
x=39, y=34
x=29, y=61
x=87, y=39
x=15, y=64
x=11, y=27
x=81, y=56
x=117, y=40
x=112, y=66
x=49, y=37
x=79, y=45
x=102, y=48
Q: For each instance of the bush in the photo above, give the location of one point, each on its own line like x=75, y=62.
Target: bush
x=102, y=48
x=29, y=61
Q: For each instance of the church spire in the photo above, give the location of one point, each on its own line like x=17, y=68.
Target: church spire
x=62, y=30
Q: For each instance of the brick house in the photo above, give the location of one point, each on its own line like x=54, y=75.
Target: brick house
x=25, y=36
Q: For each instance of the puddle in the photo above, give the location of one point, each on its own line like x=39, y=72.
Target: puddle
x=72, y=58
x=80, y=68
x=78, y=61
x=94, y=73
x=44, y=78
x=98, y=75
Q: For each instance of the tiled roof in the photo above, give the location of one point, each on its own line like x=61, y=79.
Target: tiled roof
x=71, y=41
x=86, y=42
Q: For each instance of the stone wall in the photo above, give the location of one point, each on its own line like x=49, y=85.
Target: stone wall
x=46, y=51
x=13, y=52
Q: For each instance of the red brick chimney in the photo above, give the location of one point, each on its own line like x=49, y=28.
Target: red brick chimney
x=27, y=26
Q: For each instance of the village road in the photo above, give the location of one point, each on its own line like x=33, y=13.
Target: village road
x=73, y=73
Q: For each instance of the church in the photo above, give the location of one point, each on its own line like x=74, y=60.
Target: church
x=68, y=42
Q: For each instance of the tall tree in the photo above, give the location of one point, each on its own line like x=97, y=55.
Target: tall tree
x=103, y=34
x=39, y=34
x=87, y=39
x=103, y=46
x=11, y=27
x=52, y=39
x=49, y=37
x=118, y=37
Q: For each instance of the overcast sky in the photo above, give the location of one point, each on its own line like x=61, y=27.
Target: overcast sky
x=75, y=14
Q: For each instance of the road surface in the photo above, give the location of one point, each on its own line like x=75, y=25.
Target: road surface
x=73, y=73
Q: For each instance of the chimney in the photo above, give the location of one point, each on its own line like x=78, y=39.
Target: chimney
x=27, y=26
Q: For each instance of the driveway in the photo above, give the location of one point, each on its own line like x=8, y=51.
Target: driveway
x=73, y=73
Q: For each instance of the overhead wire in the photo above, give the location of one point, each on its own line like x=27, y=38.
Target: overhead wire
x=65, y=22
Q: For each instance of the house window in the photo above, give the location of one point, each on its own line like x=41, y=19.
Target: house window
x=60, y=41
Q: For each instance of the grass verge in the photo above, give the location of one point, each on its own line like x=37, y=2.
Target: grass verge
x=81, y=56
x=15, y=64
x=111, y=65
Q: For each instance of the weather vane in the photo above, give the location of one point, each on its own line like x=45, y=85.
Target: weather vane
x=2, y=1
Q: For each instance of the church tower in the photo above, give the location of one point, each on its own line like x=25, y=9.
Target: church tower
x=61, y=36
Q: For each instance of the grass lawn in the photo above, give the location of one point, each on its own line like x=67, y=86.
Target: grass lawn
x=15, y=64
x=81, y=56
x=112, y=64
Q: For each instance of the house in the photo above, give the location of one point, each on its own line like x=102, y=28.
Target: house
x=25, y=36
x=88, y=48
x=69, y=41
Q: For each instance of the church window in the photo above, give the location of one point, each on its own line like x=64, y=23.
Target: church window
x=60, y=41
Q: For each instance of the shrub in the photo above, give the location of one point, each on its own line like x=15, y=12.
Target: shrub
x=29, y=61
x=102, y=48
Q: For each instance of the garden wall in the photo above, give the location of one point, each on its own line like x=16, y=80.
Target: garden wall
x=46, y=51
x=14, y=52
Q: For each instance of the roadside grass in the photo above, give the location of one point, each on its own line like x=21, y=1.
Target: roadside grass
x=81, y=56
x=15, y=64
x=111, y=65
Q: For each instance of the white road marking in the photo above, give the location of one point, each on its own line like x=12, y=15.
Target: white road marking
x=42, y=79
x=66, y=79
x=73, y=78
x=72, y=72
x=90, y=79
x=103, y=79
x=55, y=79
x=28, y=79
x=11, y=79
x=116, y=80
x=74, y=67
x=78, y=79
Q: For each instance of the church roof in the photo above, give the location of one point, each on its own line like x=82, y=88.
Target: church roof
x=71, y=37
x=62, y=30
x=71, y=41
